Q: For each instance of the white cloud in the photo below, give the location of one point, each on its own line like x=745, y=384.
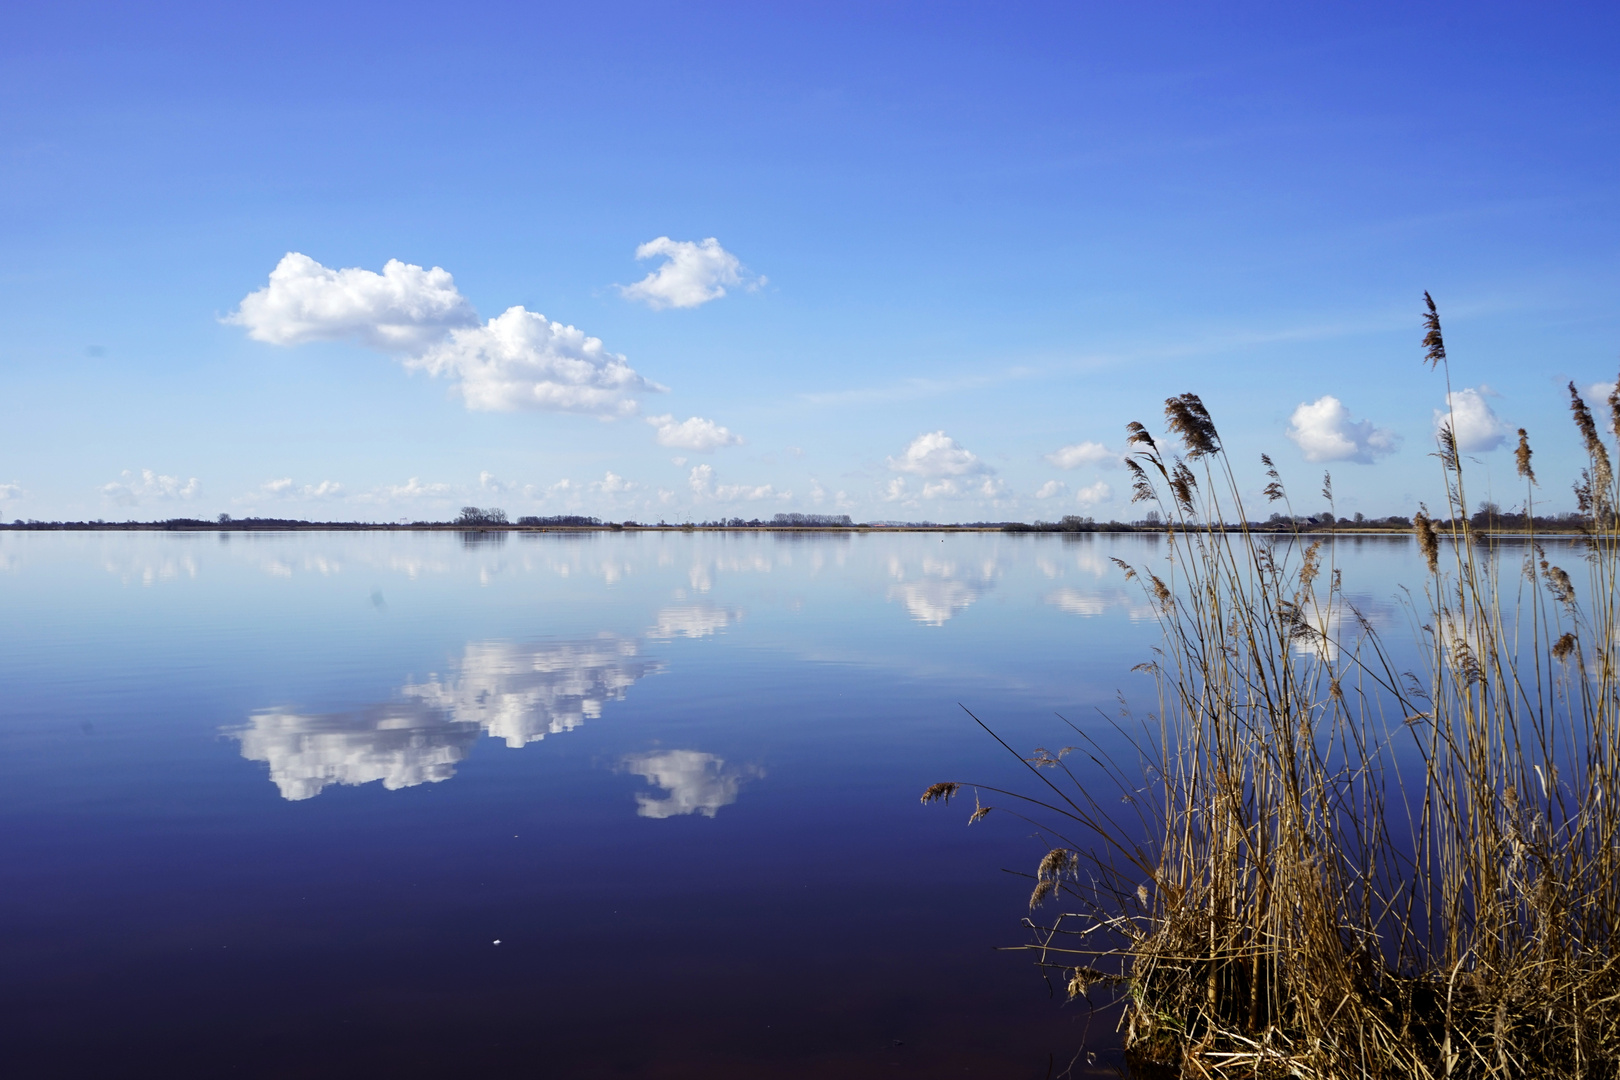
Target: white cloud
x=703, y=486
x=413, y=488
x=10, y=491
x=517, y=360
x=953, y=488
x=696, y=783
x=284, y=488
x=489, y=482
x=1092, y=494
x=613, y=484
x=1478, y=426
x=1082, y=453
x=936, y=454
x=402, y=309
x=948, y=471
x=1324, y=431
x=692, y=274
x=1051, y=489
x=694, y=433
x=131, y=489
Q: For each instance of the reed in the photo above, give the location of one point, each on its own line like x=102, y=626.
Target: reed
x=1332, y=860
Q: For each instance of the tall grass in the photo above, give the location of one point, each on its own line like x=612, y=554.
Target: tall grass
x=1328, y=864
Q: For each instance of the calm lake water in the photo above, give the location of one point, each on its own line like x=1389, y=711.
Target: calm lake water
x=640, y=805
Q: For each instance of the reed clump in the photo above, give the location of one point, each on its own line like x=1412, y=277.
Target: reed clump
x=1340, y=859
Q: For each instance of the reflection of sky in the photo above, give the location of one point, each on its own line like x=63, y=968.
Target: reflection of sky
x=693, y=782
x=519, y=693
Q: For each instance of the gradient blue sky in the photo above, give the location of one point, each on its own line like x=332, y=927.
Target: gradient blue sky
x=1021, y=225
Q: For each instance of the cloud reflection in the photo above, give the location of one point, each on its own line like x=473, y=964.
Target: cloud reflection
x=937, y=589
x=695, y=783
x=519, y=693
x=402, y=745
x=692, y=620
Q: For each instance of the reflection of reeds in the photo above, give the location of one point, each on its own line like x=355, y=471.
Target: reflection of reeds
x=1332, y=867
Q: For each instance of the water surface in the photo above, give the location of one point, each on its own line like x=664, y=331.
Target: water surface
x=641, y=805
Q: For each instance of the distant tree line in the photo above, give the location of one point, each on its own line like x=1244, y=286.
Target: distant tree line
x=1489, y=517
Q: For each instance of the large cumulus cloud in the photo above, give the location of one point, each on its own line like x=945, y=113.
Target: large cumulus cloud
x=517, y=360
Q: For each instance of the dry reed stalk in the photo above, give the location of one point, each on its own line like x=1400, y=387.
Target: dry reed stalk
x=1285, y=898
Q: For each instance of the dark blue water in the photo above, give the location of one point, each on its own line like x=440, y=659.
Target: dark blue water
x=640, y=805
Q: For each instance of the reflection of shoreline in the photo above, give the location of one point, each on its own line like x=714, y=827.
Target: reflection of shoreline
x=513, y=692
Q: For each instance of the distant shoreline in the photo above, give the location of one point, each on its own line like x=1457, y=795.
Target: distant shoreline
x=189, y=526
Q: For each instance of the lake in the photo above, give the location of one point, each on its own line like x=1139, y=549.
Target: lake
x=631, y=805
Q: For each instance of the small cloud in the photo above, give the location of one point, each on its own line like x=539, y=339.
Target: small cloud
x=130, y=489
x=1324, y=431
x=10, y=491
x=1082, y=453
x=948, y=471
x=819, y=494
x=1092, y=494
x=1478, y=428
x=488, y=481
x=413, y=488
x=694, y=433
x=1051, y=489
x=692, y=274
x=613, y=484
x=703, y=486
x=936, y=454
x=284, y=488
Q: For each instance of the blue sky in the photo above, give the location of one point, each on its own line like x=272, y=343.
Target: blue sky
x=960, y=246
